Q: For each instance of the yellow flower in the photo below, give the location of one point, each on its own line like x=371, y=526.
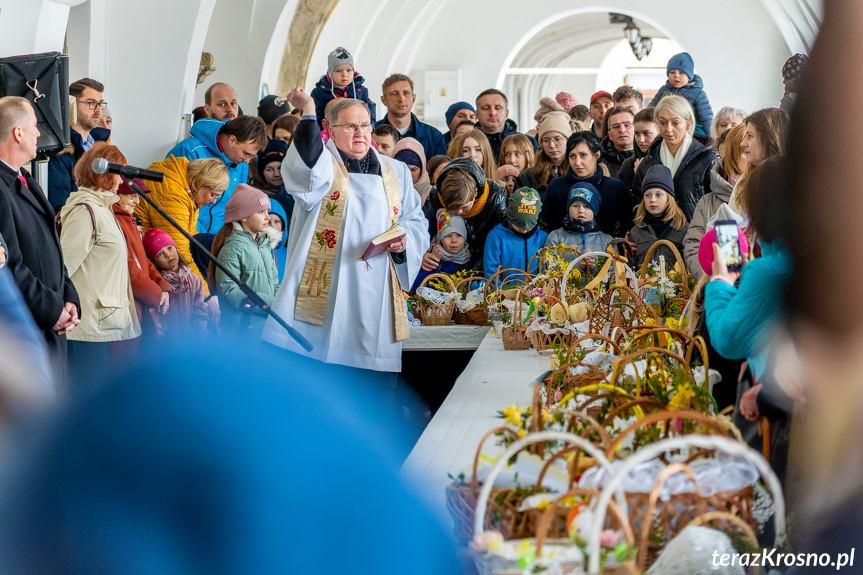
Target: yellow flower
x=650, y=322
x=683, y=398
x=543, y=505
x=521, y=433
x=672, y=323
x=512, y=415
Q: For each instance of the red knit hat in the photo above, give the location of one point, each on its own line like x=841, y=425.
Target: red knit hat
x=154, y=240
x=244, y=202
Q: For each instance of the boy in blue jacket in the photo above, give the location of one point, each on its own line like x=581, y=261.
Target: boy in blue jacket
x=514, y=242
x=683, y=81
x=340, y=81
x=451, y=248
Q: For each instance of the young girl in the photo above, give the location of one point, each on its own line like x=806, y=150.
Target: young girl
x=658, y=217
x=516, y=151
x=580, y=229
x=475, y=145
x=187, y=311
x=451, y=248
x=244, y=248
x=279, y=235
x=340, y=81
x=269, y=176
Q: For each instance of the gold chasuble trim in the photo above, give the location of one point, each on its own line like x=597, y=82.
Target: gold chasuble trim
x=314, y=290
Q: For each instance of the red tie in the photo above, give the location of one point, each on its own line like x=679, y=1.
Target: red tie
x=23, y=181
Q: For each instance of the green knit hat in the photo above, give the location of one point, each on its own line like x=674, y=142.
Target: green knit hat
x=523, y=209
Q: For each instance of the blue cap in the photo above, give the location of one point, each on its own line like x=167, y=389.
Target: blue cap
x=682, y=62
x=454, y=109
x=587, y=195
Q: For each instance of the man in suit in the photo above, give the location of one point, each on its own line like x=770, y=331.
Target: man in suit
x=27, y=226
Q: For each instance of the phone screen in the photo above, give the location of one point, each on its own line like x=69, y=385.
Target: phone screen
x=727, y=237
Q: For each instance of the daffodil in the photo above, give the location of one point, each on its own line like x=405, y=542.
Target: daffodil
x=512, y=415
x=682, y=399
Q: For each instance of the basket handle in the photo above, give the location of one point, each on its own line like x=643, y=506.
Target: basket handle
x=656, y=449
x=518, y=445
x=699, y=342
x=651, y=418
x=470, y=278
x=725, y=516
x=615, y=348
x=643, y=273
x=621, y=362
x=636, y=403
x=474, y=482
x=653, y=496
x=592, y=425
x=445, y=277
x=549, y=377
x=497, y=276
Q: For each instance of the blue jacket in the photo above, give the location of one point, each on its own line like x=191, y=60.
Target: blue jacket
x=324, y=93
x=61, y=181
x=442, y=268
x=429, y=136
x=506, y=249
x=203, y=143
x=280, y=252
x=615, y=215
x=694, y=92
x=736, y=318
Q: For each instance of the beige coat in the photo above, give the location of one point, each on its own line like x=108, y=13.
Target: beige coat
x=99, y=271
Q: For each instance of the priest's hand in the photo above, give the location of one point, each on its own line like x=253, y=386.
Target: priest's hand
x=399, y=246
x=431, y=259
x=299, y=99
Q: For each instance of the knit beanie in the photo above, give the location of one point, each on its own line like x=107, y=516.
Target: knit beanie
x=409, y=157
x=555, y=122
x=658, y=176
x=523, y=208
x=336, y=58
x=455, y=109
x=705, y=248
x=274, y=152
x=269, y=112
x=244, y=202
x=507, y=170
x=793, y=68
x=587, y=194
x=154, y=240
x=546, y=105
x=682, y=62
x=566, y=100
x=448, y=223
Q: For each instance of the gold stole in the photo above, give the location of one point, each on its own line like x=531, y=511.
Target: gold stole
x=314, y=289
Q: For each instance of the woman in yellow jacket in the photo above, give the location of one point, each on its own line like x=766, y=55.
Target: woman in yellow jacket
x=95, y=254
x=188, y=186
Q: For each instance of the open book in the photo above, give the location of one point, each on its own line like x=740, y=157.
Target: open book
x=379, y=245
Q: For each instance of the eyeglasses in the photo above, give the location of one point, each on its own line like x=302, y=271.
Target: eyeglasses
x=354, y=127
x=247, y=155
x=93, y=103
x=556, y=141
x=620, y=125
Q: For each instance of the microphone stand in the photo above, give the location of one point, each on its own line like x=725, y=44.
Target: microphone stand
x=252, y=298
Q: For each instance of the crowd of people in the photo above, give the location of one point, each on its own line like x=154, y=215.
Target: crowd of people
x=99, y=269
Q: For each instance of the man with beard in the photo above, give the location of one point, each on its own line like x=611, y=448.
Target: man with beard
x=220, y=102
x=617, y=145
x=89, y=106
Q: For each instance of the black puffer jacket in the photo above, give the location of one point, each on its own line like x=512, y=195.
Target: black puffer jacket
x=479, y=225
x=613, y=158
x=627, y=172
x=692, y=179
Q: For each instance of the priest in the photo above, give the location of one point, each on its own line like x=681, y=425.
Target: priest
x=346, y=194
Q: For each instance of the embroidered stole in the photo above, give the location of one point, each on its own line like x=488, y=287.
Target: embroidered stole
x=314, y=289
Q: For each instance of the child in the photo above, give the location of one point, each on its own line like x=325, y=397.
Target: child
x=245, y=248
x=340, y=81
x=792, y=71
x=278, y=233
x=411, y=152
x=514, y=242
x=269, y=176
x=451, y=248
x=658, y=217
x=580, y=230
x=683, y=81
x=385, y=138
x=187, y=311
x=508, y=174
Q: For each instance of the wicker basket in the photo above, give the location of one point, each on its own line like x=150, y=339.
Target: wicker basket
x=477, y=315
x=607, y=314
x=514, y=337
x=643, y=280
x=436, y=314
x=652, y=355
x=543, y=341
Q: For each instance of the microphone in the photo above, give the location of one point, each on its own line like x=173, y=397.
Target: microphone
x=103, y=166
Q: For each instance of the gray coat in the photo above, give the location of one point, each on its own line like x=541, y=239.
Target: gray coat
x=592, y=242
x=705, y=210
x=644, y=237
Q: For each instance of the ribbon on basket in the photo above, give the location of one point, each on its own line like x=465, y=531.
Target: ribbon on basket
x=619, y=262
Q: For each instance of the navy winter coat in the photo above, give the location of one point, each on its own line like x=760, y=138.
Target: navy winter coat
x=61, y=181
x=694, y=92
x=615, y=213
x=324, y=92
x=429, y=136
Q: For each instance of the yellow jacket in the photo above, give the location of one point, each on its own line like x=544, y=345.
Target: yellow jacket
x=175, y=196
x=99, y=269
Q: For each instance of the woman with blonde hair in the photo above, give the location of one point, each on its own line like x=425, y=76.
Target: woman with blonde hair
x=688, y=159
x=724, y=175
x=188, y=186
x=475, y=144
x=95, y=254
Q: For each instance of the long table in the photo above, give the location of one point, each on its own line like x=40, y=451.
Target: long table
x=445, y=338
x=493, y=379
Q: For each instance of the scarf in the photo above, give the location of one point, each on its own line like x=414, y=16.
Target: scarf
x=178, y=281
x=657, y=223
x=460, y=258
x=578, y=226
x=526, y=235
x=673, y=162
x=478, y=204
x=423, y=187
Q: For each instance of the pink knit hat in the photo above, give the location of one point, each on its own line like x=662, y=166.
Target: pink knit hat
x=154, y=240
x=705, y=248
x=244, y=202
x=566, y=100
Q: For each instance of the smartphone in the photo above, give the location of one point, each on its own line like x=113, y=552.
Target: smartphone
x=728, y=239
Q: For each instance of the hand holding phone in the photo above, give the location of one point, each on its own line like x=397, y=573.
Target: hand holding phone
x=728, y=240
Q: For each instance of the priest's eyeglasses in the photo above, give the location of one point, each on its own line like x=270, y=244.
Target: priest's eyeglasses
x=93, y=103
x=349, y=128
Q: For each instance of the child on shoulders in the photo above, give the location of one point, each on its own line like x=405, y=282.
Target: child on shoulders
x=340, y=81
x=658, y=217
x=683, y=81
x=580, y=229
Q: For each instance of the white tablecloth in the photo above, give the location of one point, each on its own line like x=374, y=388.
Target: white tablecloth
x=493, y=379
x=445, y=337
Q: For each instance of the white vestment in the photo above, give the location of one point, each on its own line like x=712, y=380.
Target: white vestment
x=358, y=329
